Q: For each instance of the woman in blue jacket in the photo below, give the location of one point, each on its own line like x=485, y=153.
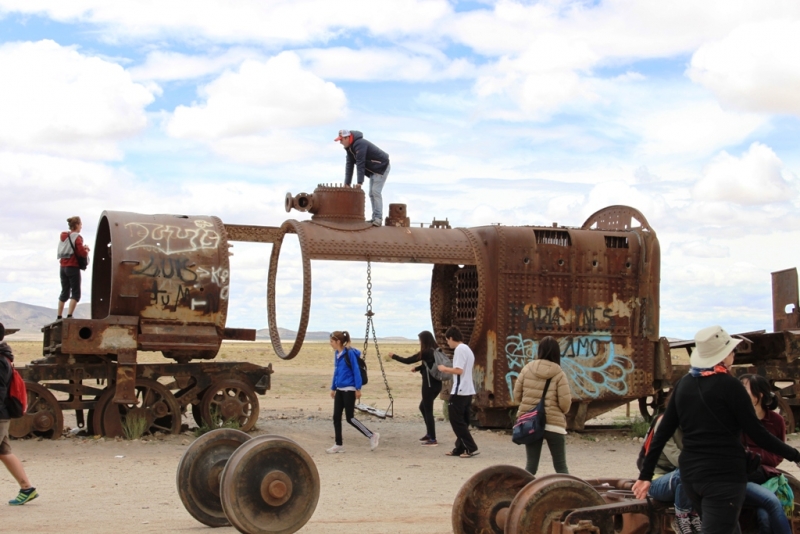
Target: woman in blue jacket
x=345, y=389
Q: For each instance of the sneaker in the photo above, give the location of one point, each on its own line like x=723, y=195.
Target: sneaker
x=376, y=222
x=24, y=496
x=335, y=449
x=697, y=524
x=374, y=440
x=469, y=454
x=426, y=437
x=681, y=524
x=429, y=443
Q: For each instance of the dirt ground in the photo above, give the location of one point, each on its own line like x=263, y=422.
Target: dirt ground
x=96, y=485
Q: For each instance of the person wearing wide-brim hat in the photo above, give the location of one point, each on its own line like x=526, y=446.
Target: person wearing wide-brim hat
x=713, y=409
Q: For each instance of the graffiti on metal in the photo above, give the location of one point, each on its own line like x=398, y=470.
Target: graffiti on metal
x=581, y=318
x=168, y=239
x=590, y=363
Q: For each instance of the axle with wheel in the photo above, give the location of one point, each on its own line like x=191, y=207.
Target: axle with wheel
x=262, y=485
x=505, y=499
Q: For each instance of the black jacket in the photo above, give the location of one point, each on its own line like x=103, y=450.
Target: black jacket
x=428, y=361
x=5, y=377
x=712, y=430
x=366, y=157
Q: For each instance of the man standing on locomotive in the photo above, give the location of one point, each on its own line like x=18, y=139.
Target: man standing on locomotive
x=370, y=161
x=10, y=460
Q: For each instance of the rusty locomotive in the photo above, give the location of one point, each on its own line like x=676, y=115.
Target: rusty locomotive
x=160, y=283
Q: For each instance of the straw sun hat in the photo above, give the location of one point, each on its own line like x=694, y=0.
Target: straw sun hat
x=712, y=345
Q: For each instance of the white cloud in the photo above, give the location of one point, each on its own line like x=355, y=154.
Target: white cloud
x=700, y=248
x=276, y=21
x=375, y=64
x=170, y=66
x=692, y=128
x=754, y=68
x=56, y=100
x=757, y=177
x=257, y=98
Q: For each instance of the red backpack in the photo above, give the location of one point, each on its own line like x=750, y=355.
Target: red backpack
x=17, y=399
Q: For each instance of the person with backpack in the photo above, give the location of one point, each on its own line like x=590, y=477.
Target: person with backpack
x=769, y=510
x=528, y=391
x=431, y=381
x=73, y=257
x=713, y=409
x=346, y=389
x=26, y=492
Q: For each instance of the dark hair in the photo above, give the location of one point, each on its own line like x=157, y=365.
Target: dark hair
x=342, y=336
x=427, y=341
x=2, y=331
x=454, y=333
x=73, y=222
x=759, y=387
x=549, y=350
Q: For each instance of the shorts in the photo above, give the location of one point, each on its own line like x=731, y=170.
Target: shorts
x=5, y=445
x=70, y=282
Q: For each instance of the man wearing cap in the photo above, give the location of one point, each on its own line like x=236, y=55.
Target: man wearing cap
x=712, y=409
x=369, y=160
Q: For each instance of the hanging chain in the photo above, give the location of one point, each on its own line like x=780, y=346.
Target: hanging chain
x=371, y=324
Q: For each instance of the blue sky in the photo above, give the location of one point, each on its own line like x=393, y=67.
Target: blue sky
x=512, y=112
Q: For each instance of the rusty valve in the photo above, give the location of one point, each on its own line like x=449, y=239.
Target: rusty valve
x=301, y=202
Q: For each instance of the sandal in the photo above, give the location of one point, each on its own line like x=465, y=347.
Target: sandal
x=469, y=454
x=451, y=453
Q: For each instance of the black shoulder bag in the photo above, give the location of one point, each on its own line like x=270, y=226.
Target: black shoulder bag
x=752, y=459
x=530, y=425
x=82, y=262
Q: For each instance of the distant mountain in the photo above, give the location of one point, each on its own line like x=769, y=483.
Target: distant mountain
x=30, y=319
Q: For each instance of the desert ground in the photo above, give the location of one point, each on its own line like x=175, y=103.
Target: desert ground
x=95, y=485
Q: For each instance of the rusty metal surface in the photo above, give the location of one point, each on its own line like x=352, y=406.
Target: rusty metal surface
x=481, y=504
x=785, y=295
x=594, y=288
x=169, y=271
x=270, y=485
x=229, y=399
x=330, y=202
x=199, y=473
x=43, y=418
x=252, y=234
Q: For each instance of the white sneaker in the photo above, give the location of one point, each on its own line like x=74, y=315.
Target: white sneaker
x=374, y=440
x=335, y=449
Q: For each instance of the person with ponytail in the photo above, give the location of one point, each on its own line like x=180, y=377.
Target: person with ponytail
x=70, y=247
x=346, y=389
x=770, y=514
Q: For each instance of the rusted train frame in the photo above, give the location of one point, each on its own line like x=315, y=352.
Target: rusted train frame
x=595, y=288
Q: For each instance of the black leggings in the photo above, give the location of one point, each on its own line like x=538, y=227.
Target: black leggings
x=429, y=395
x=346, y=401
x=718, y=503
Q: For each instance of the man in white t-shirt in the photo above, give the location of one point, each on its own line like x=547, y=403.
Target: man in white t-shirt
x=461, y=393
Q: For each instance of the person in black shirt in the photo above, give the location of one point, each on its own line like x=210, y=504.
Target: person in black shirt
x=431, y=387
x=713, y=409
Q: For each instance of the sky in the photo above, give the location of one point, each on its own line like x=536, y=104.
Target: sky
x=513, y=112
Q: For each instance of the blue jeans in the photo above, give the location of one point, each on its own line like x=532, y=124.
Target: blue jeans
x=376, y=182
x=771, y=517
x=668, y=488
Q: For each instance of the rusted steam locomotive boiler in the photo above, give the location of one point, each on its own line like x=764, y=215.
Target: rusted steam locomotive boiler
x=160, y=283
x=594, y=288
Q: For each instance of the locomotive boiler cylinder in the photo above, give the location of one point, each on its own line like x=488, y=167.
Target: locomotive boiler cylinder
x=170, y=271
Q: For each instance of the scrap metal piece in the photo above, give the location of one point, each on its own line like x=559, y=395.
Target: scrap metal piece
x=542, y=503
x=785, y=300
x=43, y=419
x=481, y=505
x=153, y=402
x=200, y=470
x=270, y=485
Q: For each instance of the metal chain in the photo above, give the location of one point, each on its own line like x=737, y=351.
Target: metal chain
x=371, y=324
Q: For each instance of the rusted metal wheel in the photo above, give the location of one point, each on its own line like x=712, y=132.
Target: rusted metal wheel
x=481, y=505
x=155, y=403
x=545, y=499
x=270, y=485
x=43, y=418
x=649, y=406
x=230, y=399
x=200, y=470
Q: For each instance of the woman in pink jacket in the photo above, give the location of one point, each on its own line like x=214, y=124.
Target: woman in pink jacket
x=528, y=392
